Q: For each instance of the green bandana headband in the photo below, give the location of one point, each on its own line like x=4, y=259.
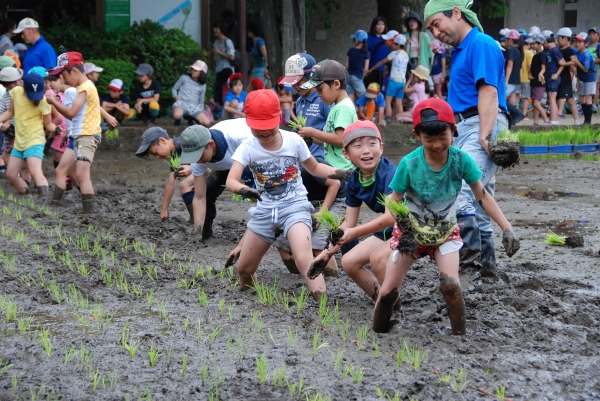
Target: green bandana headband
x=438, y=6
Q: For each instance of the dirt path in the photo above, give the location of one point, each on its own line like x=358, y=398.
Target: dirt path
x=89, y=291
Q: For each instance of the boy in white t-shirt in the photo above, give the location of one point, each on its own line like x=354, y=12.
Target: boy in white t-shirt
x=395, y=87
x=274, y=157
x=210, y=149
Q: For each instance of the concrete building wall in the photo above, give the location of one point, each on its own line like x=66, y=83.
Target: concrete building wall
x=334, y=43
x=526, y=13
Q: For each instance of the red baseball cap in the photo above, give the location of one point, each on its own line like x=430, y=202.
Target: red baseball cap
x=440, y=106
x=262, y=109
x=65, y=60
x=359, y=129
x=257, y=83
x=234, y=76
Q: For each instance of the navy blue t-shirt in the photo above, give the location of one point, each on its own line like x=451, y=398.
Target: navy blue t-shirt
x=315, y=111
x=436, y=67
x=553, y=56
x=378, y=50
x=514, y=54
x=356, y=62
x=123, y=98
x=357, y=194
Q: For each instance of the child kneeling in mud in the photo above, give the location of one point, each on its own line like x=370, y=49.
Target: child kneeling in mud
x=274, y=157
x=430, y=179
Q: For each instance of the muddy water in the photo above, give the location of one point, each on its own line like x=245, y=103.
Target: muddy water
x=534, y=328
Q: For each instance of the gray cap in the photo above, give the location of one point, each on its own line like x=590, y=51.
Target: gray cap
x=10, y=74
x=144, y=69
x=149, y=136
x=326, y=70
x=536, y=38
x=193, y=141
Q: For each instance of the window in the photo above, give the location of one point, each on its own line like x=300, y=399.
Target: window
x=570, y=15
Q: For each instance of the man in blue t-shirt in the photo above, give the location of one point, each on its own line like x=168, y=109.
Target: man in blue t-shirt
x=39, y=53
x=477, y=94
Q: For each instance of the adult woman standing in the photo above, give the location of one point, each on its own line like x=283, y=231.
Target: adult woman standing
x=377, y=48
x=224, y=55
x=6, y=29
x=417, y=42
x=258, y=54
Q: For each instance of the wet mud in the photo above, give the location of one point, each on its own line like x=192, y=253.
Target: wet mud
x=118, y=305
x=407, y=241
x=574, y=241
x=504, y=154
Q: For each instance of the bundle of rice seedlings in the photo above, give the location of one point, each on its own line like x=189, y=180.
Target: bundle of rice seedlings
x=573, y=241
x=331, y=224
x=111, y=134
x=174, y=162
x=407, y=241
x=297, y=125
x=504, y=151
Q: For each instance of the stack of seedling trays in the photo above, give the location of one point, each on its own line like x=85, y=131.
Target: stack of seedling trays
x=559, y=141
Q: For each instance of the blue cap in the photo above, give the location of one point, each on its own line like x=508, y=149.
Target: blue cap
x=360, y=35
x=502, y=38
x=41, y=71
x=34, y=86
x=522, y=32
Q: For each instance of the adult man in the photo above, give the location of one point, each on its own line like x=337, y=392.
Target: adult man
x=39, y=53
x=477, y=95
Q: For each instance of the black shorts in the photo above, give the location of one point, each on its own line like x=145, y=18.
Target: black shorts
x=565, y=90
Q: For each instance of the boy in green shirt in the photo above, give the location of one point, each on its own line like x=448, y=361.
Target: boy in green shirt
x=329, y=77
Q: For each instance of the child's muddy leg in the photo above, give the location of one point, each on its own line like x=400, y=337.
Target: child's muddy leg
x=354, y=263
x=450, y=287
x=253, y=249
x=299, y=237
x=390, y=292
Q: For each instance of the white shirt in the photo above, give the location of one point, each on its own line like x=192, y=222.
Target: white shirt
x=235, y=131
x=277, y=172
x=68, y=99
x=399, y=60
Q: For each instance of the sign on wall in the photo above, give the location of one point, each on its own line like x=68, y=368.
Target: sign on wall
x=181, y=14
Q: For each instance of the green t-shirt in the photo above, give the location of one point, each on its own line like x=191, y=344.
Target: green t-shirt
x=341, y=115
x=432, y=195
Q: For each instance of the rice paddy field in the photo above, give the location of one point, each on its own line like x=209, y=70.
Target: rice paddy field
x=120, y=306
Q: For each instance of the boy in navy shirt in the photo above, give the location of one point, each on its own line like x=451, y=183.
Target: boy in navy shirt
x=116, y=103
x=587, y=76
x=554, y=65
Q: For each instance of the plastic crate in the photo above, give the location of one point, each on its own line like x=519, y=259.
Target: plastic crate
x=561, y=149
x=533, y=150
x=589, y=148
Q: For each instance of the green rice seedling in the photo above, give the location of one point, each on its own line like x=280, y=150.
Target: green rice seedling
x=150, y=298
x=317, y=396
x=149, y=271
x=458, y=382
x=361, y=337
x=357, y=374
x=95, y=377
x=527, y=138
x=199, y=331
x=330, y=224
x=507, y=136
x=137, y=290
x=6, y=231
x=19, y=214
x=266, y=293
x=230, y=271
x=213, y=335
x=292, y=336
x=300, y=300
x=82, y=320
x=6, y=210
x=445, y=379
x=34, y=395
x=230, y=313
x=338, y=358
x=316, y=346
x=111, y=134
x=24, y=324
x=184, y=361
x=174, y=162
x=1, y=192
x=209, y=272
x=123, y=243
x=44, y=340
x=344, y=329
x=200, y=272
x=11, y=197
x=279, y=376
x=153, y=354
x=138, y=269
x=221, y=306
x=4, y=368
x=70, y=354
x=81, y=269
x=202, y=297
x=15, y=381
x=221, y=274
x=500, y=392
x=261, y=365
x=203, y=371
x=297, y=125
x=186, y=323
x=414, y=355
x=162, y=309
x=398, y=208
x=375, y=348
x=10, y=311
x=554, y=239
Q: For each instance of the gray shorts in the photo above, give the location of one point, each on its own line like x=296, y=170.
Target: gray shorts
x=319, y=238
x=510, y=88
x=525, y=90
x=265, y=221
x=189, y=109
x=587, y=88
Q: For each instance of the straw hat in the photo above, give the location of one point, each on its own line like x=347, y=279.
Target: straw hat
x=421, y=72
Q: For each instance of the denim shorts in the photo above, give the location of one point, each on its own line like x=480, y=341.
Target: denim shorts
x=264, y=221
x=552, y=86
x=395, y=89
x=355, y=84
x=32, y=151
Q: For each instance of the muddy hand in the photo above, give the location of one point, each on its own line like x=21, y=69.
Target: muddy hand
x=510, y=240
x=251, y=193
x=341, y=174
x=232, y=259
